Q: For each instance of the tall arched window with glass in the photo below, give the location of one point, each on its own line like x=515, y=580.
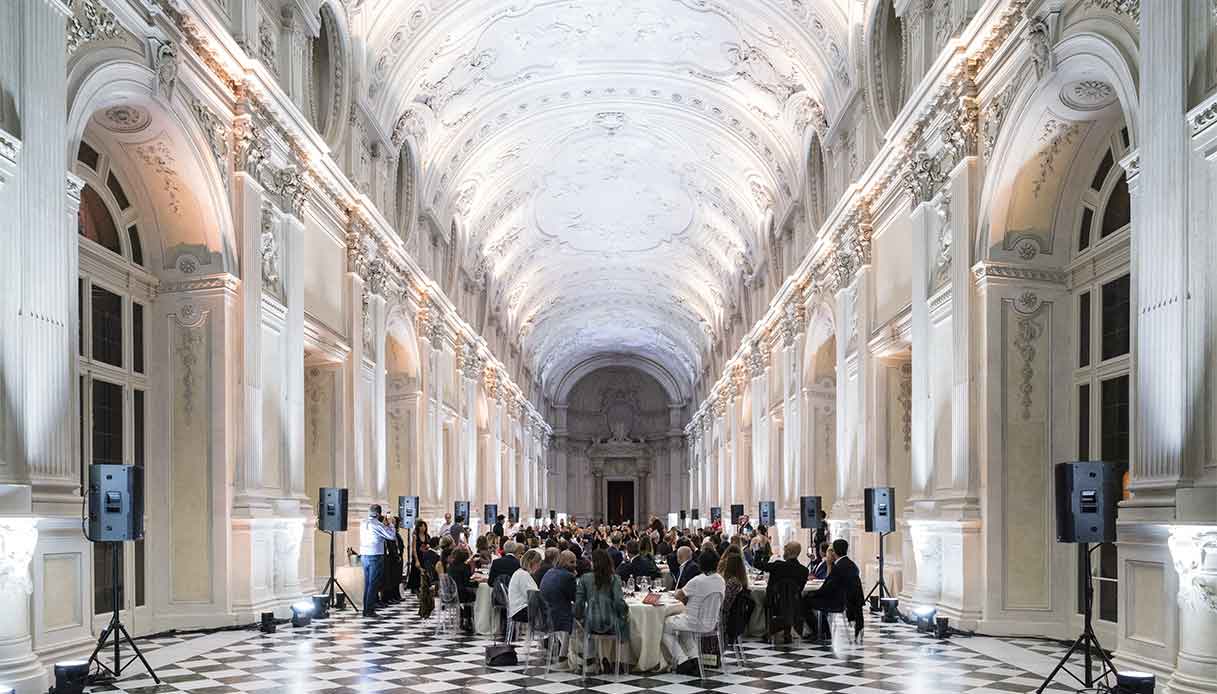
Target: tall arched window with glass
x=1102, y=382
x=114, y=292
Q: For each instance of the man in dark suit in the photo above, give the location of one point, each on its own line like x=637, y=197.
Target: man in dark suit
x=686, y=566
x=614, y=550
x=843, y=580
x=558, y=590
x=506, y=565
x=638, y=565
x=786, y=576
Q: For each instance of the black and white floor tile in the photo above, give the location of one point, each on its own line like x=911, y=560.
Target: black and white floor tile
x=399, y=655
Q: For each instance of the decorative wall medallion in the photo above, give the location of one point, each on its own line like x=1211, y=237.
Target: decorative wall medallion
x=1027, y=249
x=1088, y=95
x=187, y=265
x=158, y=156
x=124, y=118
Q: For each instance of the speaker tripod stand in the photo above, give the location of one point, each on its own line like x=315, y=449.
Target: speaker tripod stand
x=880, y=585
x=116, y=629
x=1088, y=642
x=333, y=585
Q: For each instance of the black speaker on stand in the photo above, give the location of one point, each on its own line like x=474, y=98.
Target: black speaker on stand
x=1086, y=496
x=332, y=518
x=115, y=500
x=880, y=505
x=809, y=520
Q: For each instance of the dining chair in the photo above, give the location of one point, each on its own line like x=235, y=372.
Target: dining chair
x=714, y=606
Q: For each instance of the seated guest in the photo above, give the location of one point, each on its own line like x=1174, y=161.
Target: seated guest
x=505, y=566
x=731, y=568
x=483, y=556
x=446, y=545
x=558, y=589
x=820, y=570
x=785, y=574
x=698, y=617
x=600, y=604
x=550, y=558
x=639, y=565
x=614, y=550
x=686, y=568
x=466, y=588
x=841, y=591
x=520, y=585
x=582, y=563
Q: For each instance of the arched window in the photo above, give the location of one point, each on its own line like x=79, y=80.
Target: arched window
x=1103, y=362
x=404, y=204
x=113, y=296
x=326, y=71
x=817, y=200
x=888, y=64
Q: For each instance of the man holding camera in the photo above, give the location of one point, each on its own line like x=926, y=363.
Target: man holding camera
x=372, y=536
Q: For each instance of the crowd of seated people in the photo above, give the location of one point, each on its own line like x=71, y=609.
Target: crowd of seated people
x=580, y=572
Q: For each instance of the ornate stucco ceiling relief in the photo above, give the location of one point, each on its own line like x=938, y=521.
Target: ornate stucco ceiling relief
x=611, y=163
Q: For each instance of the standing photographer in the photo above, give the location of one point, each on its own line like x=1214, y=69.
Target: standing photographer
x=372, y=535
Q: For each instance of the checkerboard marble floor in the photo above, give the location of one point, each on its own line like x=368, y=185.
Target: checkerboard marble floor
x=398, y=654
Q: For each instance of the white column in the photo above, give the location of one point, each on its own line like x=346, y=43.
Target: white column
x=19, y=667
x=762, y=467
x=1194, y=553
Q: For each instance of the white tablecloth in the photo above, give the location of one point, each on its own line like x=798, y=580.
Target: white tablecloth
x=645, y=651
x=759, y=591
x=485, y=617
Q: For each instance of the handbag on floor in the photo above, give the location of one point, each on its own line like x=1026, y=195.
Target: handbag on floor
x=501, y=655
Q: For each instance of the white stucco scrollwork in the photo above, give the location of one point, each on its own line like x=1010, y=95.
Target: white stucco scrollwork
x=1194, y=552
x=18, y=537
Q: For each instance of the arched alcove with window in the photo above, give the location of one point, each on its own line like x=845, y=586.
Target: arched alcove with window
x=887, y=63
x=115, y=291
x=404, y=212
x=327, y=73
x=818, y=204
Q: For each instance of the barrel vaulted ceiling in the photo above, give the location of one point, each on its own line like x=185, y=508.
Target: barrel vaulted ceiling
x=609, y=166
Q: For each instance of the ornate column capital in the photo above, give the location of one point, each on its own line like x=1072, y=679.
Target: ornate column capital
x=922, y=177
x=756, y=361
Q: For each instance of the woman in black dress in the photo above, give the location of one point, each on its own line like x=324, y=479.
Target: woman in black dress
x=418, y=538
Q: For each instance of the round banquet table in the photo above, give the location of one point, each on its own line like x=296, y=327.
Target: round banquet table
x=485, y=617
x=760, y=590
x=645, y=651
